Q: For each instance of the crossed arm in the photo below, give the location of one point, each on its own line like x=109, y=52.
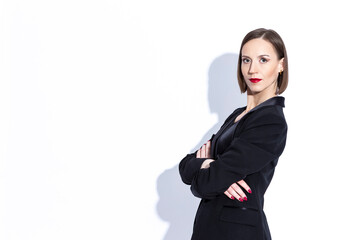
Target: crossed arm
x=234, y=191
x=260, y=143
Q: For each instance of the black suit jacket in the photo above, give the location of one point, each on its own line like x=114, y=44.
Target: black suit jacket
x=249, y=152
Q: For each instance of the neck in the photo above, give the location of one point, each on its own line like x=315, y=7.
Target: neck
x=255, y=99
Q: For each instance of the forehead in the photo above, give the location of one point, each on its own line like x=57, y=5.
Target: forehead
x=257, y=47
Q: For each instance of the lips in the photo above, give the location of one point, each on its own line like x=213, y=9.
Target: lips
x=255, y=80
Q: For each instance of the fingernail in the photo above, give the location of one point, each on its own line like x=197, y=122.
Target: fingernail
x=245, y=198
x=240, y=199
x=232, y=197
x=249, y=191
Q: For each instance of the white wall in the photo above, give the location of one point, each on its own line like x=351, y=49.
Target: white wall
x=100, y=100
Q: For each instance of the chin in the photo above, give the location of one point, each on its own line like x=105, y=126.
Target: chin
x=254, y=91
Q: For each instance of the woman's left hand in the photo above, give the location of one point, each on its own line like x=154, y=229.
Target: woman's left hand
x=204, y=152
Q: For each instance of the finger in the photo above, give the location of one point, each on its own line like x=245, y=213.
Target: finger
x=202, y=154
x=233, y=193
x=229, y=195
x=208, y=144
x=243, y=184
x=198, y=153
x=239, y=191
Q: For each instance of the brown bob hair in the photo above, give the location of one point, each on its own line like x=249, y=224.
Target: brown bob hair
x=279, y=46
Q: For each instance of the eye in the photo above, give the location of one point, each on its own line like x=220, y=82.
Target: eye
x=246, y=60
x=263, y=60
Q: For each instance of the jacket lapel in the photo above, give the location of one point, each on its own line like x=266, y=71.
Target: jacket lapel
x=278, y=100
x=271, y=101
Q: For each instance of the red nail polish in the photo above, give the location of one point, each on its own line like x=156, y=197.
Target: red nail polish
x=249, y=191
x=245, y=198
x=232, y=197
x=241, y=199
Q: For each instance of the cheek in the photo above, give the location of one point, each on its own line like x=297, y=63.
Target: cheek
x=271, y=72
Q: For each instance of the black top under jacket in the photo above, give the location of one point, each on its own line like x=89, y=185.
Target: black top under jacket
x=248, y=149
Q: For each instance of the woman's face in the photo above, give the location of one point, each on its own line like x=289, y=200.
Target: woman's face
x=260, y=66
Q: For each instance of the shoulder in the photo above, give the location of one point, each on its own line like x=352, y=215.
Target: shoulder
x=271, y=114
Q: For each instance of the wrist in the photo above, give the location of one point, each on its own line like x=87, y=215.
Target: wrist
x=206, y=163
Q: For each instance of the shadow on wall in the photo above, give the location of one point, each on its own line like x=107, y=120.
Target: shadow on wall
x=176, y=203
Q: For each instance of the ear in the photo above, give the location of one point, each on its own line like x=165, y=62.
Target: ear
x=281, y=65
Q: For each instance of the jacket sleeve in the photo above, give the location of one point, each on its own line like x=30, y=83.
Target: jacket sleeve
x=261, y=142
x=190, y=165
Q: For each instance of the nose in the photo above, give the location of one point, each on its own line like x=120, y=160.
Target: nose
x=252, y=68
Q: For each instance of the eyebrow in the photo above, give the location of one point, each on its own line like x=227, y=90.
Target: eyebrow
x=263, y=55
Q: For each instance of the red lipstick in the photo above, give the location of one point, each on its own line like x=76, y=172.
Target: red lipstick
x=255, y=80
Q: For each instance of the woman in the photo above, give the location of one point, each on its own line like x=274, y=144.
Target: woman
x=232, y=171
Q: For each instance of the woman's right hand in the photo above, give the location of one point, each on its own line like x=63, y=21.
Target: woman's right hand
x=234, y=191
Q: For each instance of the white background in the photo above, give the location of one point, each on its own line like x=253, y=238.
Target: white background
x=100, y=100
